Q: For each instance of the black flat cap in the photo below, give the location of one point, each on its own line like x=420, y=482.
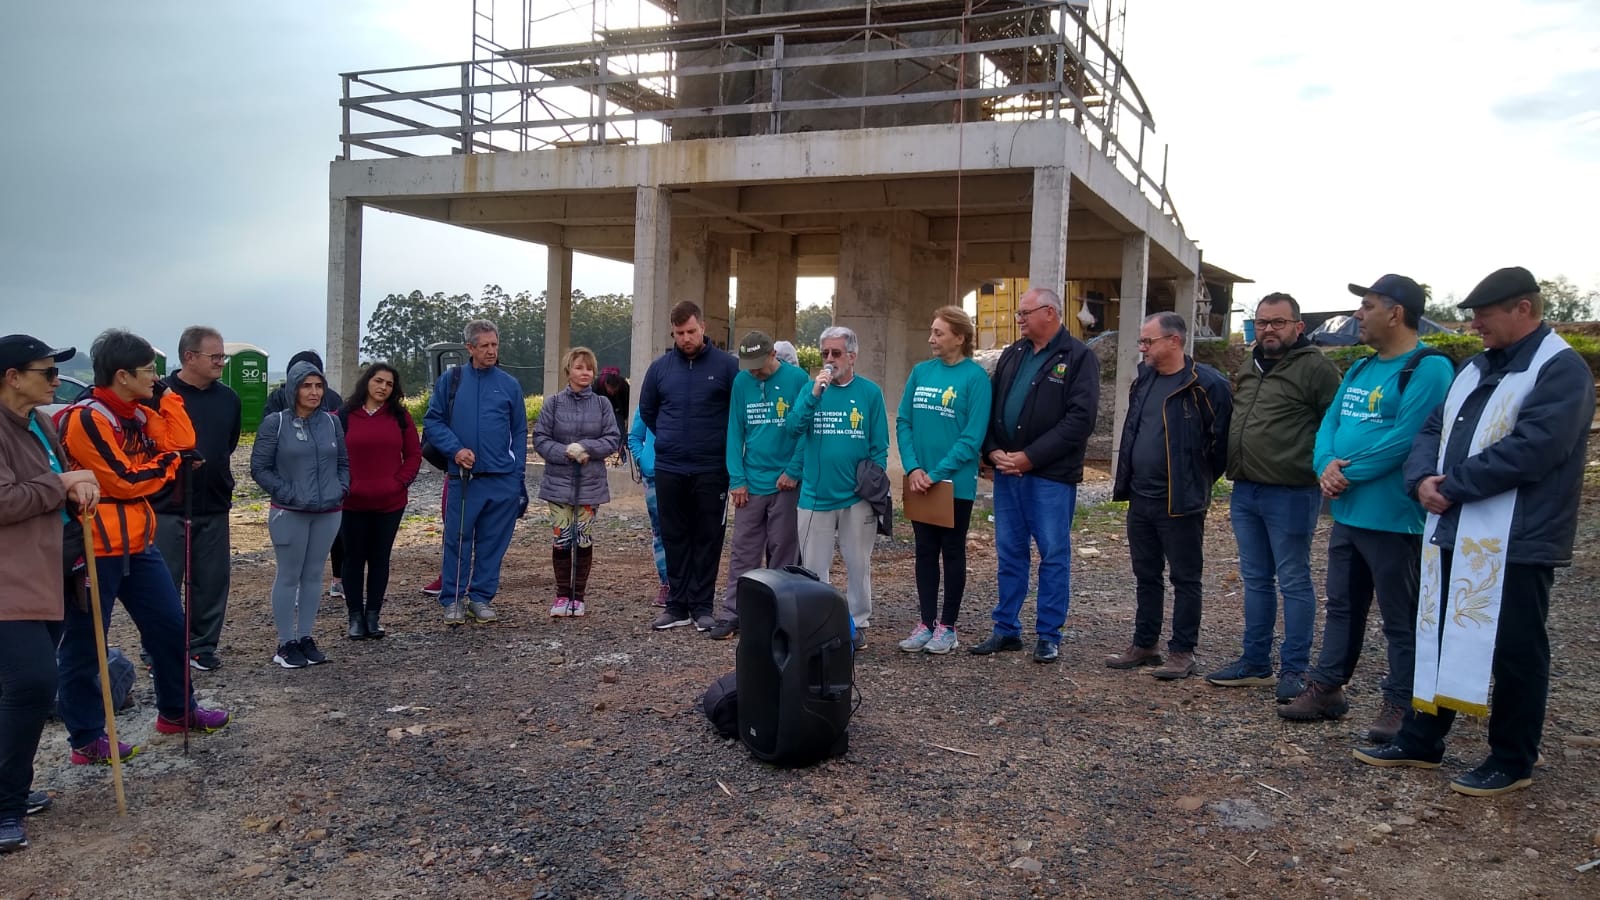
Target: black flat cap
x=1501, y=285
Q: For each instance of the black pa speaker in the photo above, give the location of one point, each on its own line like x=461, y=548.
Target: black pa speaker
x=795, y=669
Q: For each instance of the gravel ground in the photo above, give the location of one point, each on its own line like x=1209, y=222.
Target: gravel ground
x=568, y=758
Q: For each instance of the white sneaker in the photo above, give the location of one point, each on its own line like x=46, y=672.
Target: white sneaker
x=918, y=639
x=576, y=608
x=561, y=608
x=943, y=641
x=336, y=590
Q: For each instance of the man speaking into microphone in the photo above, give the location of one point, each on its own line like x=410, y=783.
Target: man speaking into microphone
x=841, y=421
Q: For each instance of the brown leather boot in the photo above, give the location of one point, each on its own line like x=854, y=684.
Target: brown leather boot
x=1386, y=727
x=1180, y=664
x=1317, y=701
x=561, y=563
x=1134, y=657
x=580, y=588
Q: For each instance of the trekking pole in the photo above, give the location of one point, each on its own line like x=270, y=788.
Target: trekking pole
x=188, y=593
x=577, y=485
x=105, y=670
x=461, y=533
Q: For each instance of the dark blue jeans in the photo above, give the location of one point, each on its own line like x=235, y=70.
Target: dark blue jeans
x=1031, y=510
x=27, y=688
x=152, y=602
x=1273, y=525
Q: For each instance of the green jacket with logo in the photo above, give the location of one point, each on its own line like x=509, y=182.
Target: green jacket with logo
x=1276, y=412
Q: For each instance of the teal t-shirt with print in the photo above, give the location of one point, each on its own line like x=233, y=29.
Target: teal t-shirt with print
x=1371, y=424
x=759, y=449
x=845, y=425
x=943, y=416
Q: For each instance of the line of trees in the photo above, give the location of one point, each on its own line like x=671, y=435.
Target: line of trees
x=401, y=328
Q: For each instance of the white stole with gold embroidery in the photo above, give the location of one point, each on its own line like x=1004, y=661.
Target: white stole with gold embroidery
x=1455, y=655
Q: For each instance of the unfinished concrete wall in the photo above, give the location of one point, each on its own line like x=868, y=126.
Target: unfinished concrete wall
x=820, y=83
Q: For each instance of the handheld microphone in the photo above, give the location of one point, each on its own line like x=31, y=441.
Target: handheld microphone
x=830, y=369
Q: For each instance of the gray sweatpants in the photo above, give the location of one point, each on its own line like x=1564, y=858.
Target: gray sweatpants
x=763, y=535
x=300, y=541
x=853, y=529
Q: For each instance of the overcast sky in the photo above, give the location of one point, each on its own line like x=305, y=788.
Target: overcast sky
x=166, y=163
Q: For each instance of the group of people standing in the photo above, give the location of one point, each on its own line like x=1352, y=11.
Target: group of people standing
x=1428, y=470
x=135, y=478
x=803, y=459
x=1453, y=493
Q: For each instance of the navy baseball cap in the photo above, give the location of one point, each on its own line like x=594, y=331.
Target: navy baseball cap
x=1398, y=288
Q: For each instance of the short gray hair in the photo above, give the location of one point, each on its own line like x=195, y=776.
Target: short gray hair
x=476, y=327
x=189, y=342
x=1170, y=322
x=1047, y=297
x=851, y=344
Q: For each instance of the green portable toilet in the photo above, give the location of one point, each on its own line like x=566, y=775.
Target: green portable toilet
x=246, y=373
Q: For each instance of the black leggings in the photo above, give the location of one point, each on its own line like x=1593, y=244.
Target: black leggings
x=933, y=541
x=368, y=537
x=27, y=693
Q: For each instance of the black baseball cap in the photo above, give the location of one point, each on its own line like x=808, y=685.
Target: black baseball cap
x=17, y=350
x=755, y=350
x=1398, y=288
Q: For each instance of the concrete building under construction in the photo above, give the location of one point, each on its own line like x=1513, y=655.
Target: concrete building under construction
x=911, y=149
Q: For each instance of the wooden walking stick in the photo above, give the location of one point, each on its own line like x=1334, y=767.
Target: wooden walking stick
x=105, y=671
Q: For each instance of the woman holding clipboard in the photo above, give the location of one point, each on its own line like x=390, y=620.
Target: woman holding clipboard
x=940, y=426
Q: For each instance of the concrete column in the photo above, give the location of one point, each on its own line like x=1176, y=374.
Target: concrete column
x=557, y=315
x=344, y=294
x=1130, y=312
x=930, y=289
x=874, y=280
x=1047, y=248
x=1186, y=293
x=767, y=274
x=699, y=272
x=718, y=271
x=652, y=256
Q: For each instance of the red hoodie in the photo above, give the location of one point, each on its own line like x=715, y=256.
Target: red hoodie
x=384, y=458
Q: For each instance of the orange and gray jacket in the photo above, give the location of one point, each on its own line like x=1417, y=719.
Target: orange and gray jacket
x=132, y=459
x=1196, y=416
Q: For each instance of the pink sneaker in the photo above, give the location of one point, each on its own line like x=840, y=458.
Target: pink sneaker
x=576, y=608
x=661, y=596
x=561, y=608
x=99, y=752
x=201, y=721
x=434, y=589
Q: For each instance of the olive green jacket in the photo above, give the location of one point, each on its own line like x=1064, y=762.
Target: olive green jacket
x=1276, y=414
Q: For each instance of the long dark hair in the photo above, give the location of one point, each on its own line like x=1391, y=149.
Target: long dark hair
x=358, y=397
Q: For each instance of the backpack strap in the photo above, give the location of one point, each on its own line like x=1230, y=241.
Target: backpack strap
x=1422, y=353
x=455, y=385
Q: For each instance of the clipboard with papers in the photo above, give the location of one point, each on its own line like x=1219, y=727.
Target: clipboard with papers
x=937, y=506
